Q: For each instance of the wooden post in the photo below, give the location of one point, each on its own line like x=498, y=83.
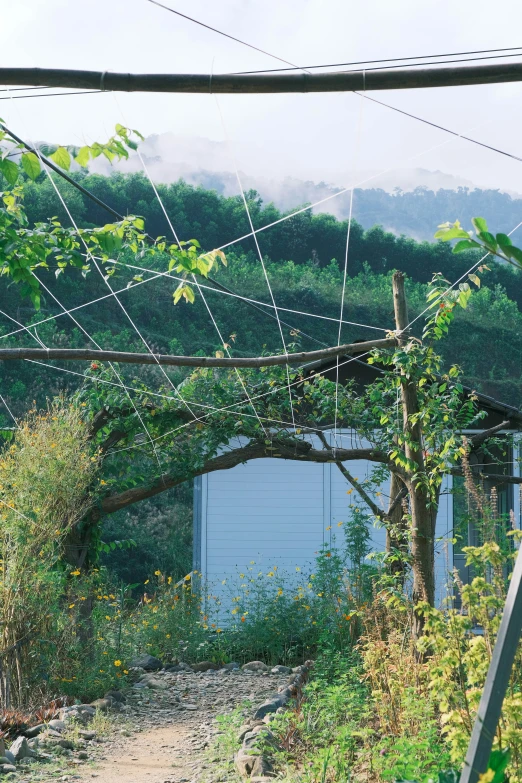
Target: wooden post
x=400, y=306
x=497, y=681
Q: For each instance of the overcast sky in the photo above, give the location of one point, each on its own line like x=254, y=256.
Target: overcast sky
x=338, y=138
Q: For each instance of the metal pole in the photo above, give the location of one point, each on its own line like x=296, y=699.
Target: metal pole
x=497, y=680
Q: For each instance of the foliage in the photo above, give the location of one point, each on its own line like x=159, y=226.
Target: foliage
x=269, y=615
x=16, y=161
x=499, y=245
x=162, y=529
x=405, y=741
x=24, y=249
x=46, y=476
x=321, y=737
x=461, y=657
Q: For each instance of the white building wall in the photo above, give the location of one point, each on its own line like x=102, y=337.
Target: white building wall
x=280, y=513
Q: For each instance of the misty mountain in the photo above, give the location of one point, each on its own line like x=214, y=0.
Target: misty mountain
x=403, y=201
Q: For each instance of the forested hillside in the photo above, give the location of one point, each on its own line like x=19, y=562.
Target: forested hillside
x=305, y=257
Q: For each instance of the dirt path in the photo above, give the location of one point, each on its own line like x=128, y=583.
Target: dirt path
x=171, y=725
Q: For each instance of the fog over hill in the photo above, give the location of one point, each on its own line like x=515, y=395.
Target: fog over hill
x=405, y=201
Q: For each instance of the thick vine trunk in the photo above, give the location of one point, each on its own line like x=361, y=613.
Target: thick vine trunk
x=423, y=510
x=423, y=521
x=396, y=533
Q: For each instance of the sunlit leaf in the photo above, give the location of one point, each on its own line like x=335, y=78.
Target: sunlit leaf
x=31, y=165
x=62, y=158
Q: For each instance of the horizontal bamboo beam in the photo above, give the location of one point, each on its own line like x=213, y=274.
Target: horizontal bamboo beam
x=393, y=79
x=86, y=354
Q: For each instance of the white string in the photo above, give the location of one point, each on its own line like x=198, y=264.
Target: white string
x=9, y=411
x=155, y=275
x=85, y=331
x=270, y=225
x=23, y=329
x=71, y=310
x=89, y=254
x=345, y=272
x=350, y=187
x=196, y=282
x=256, y=301
x=113, y=369
x=224, y=409
x=258, y=251
x=210, y=408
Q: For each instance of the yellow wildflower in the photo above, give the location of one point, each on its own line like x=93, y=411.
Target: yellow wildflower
x=117, y=663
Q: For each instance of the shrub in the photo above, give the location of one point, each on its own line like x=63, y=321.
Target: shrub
x=46, y=474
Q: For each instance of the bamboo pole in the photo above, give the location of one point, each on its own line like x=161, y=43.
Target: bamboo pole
x=393, y=79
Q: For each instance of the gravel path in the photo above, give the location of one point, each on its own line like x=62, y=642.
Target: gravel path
x=172, y=724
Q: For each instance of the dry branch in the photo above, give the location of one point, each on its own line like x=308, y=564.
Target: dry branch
x=86, y=354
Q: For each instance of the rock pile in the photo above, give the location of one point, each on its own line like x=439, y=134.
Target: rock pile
x=253, y=758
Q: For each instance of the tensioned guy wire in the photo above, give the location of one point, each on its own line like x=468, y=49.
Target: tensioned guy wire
x=220, y=32
x=260, y=255
x=80, y=326
x=196, y=282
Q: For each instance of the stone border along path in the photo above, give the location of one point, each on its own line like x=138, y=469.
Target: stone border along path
x=168, y=720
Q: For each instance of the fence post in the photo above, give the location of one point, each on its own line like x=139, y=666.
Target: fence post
x=497, y=680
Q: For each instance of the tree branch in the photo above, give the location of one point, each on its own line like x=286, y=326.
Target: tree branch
x=282, y=449
x=398, y=499
x=378, y=512
x=480, y=437
x=87, y=354
x=111, y=440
